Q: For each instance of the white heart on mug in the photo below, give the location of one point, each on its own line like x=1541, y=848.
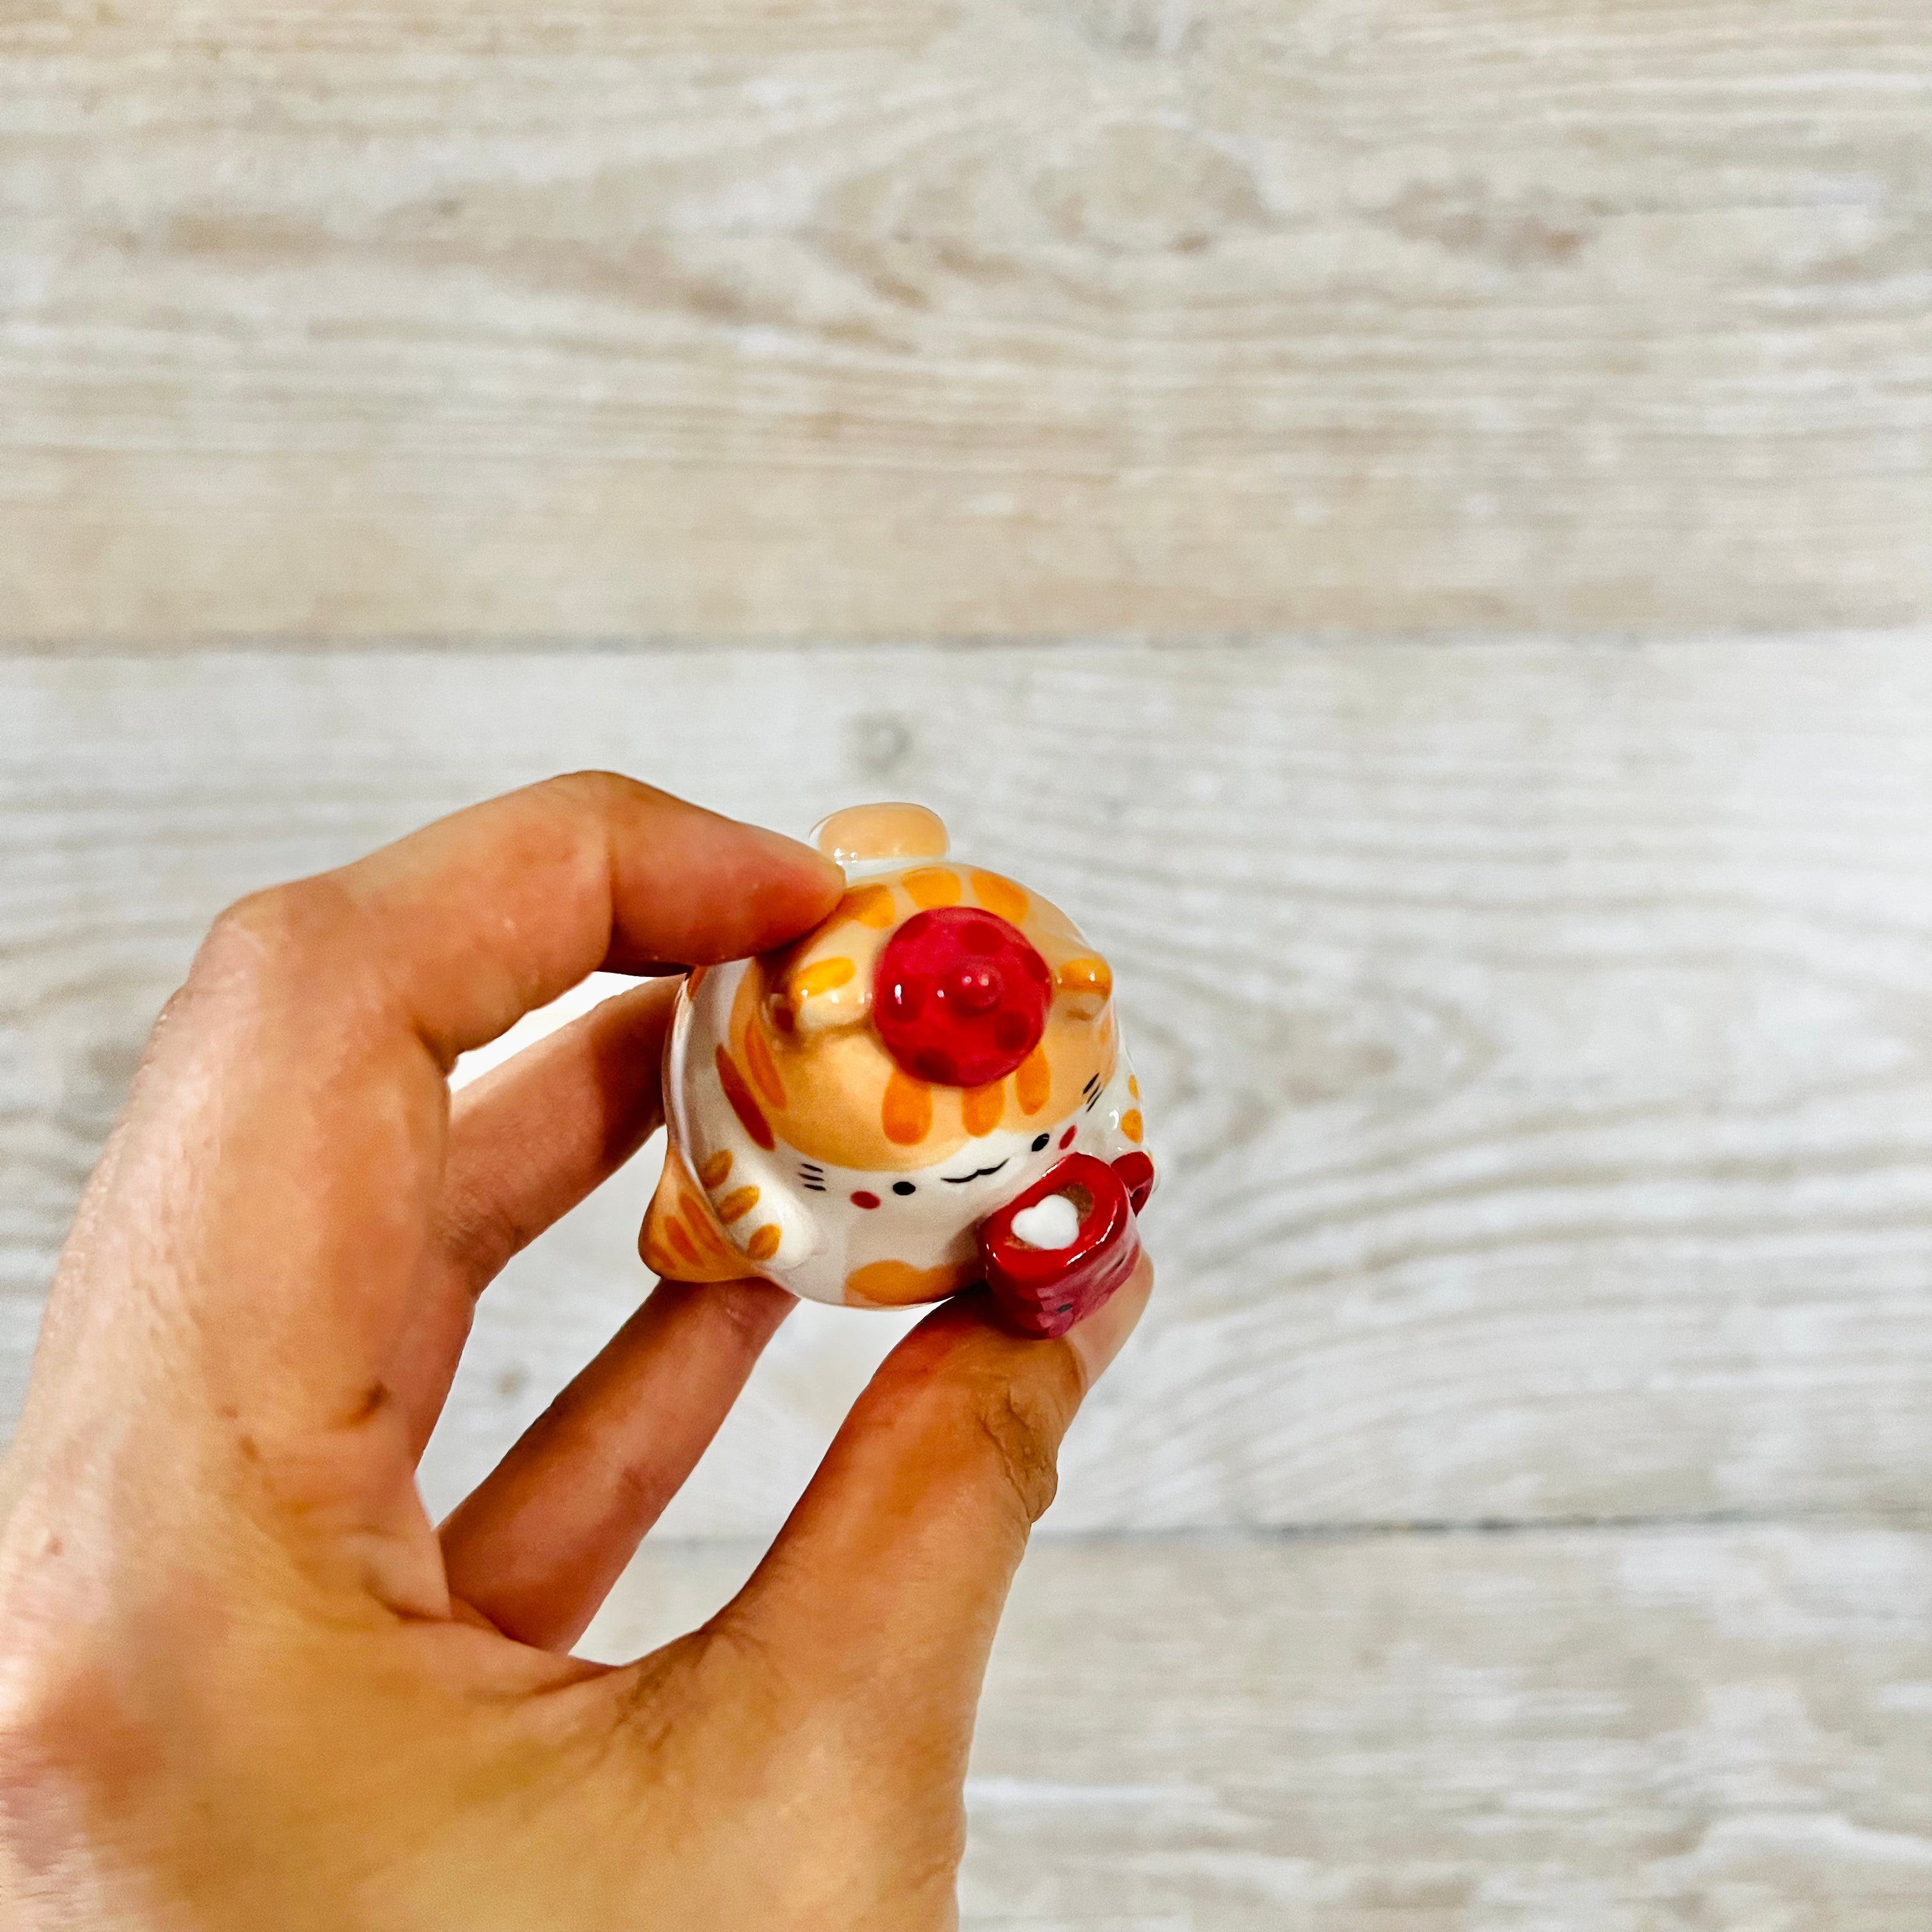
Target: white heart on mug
x=1051, y=1223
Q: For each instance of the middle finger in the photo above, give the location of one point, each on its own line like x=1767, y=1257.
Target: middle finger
x=527, y=1142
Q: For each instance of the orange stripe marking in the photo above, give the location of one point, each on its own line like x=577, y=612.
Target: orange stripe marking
x=764, y=1243
x=1130, y=1125
x=1034, y=1081
x=717, y=1170
x=1084, y=976
x=983, y=1106
x=823, y=976
x=764, y=1075
x=736, y=1204
x=870, y=905
x=906, y=1112
x=932, y=886
x=1000, y=895
x=743, y=1103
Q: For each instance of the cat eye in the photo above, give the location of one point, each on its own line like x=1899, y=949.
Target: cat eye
x=904, y=1187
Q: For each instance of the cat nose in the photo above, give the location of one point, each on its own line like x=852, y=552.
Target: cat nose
x=960, y=996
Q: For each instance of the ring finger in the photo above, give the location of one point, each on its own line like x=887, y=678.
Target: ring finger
x=536, y=1546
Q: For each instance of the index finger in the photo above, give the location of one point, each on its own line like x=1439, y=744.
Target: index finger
x=305, y=1066
x=478, y=919
x=877, y=1602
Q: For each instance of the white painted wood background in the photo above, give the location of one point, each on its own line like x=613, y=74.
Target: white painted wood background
x=438, y=318
x=1538, y=1038
x=1514, y=1516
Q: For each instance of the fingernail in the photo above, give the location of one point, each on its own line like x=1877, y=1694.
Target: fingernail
x=1100, y=1337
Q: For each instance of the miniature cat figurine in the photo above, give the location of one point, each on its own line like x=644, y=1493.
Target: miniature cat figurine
x=857, y=1115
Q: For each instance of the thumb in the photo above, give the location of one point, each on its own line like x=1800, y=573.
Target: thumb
x=881, y=1594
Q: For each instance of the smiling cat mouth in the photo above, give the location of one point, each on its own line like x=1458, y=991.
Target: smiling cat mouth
x=978, y=1174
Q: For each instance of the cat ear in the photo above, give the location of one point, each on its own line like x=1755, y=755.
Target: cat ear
x=1083, y=985
x=864, y=835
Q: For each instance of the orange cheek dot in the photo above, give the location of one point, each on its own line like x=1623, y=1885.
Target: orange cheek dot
x=932, y=886
x=823, y=976
x=1000, y=895
x=717, y=1170
x=1130, y=1125
x=743, y=1104
x=905, y=1114
x=736, y=1204
x=763, y=1244
x=983, y=1106
x=1034, y=1081
x=764, y=1075
x=681, y=1245
x=870, y=905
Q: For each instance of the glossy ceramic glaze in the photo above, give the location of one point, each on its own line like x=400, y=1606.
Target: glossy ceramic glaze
x=851, y=1116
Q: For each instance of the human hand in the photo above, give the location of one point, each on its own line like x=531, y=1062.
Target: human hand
x=244, y=1682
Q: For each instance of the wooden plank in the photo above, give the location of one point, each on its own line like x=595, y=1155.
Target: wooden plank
x=1536, y=1038
x=969, y=316
x=1617, y=1731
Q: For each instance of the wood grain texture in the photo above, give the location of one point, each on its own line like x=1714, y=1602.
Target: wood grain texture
x=1619, y=1731
x=962, y=316
x=1537, y=1040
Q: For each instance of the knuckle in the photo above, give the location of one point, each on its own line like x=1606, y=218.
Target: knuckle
x=724, y=1662
x=480, y=1234
x=285, y=954
x=639, y=1490
x=599, y=791
x=64, y=1733
x=750, y=1310
x=265, y=938
x=1016, y=1431
x=928, y=1875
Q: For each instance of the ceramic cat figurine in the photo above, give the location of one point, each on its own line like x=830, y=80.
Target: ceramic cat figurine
x=928, y=1090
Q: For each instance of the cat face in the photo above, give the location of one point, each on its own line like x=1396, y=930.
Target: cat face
x=906, y=1235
